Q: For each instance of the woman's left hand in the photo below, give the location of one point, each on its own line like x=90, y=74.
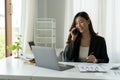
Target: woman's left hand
x=91, y=58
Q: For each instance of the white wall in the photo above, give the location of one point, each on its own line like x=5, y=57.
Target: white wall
x=53, y=9
x=41, y=8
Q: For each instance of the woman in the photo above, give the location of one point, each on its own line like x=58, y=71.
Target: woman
x=83, y=44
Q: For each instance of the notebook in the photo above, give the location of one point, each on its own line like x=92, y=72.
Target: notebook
x=91, y=67
x=46, y=57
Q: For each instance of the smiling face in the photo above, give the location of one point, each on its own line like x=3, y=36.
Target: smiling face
x=82, y=24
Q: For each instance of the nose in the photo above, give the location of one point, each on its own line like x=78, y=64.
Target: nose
x=78, y=25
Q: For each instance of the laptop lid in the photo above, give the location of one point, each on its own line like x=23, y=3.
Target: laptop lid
x=45, y=57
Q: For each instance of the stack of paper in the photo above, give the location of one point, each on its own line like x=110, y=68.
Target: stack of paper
x=91, y=68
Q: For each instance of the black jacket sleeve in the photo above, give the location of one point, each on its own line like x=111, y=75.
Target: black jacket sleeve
x=102, y=57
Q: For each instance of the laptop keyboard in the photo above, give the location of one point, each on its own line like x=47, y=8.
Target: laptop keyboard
x=65, y=67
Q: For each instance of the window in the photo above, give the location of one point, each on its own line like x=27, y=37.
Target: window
x=2, y=29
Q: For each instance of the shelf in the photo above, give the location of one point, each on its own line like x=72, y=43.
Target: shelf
x=45, y=32
x=45, y=39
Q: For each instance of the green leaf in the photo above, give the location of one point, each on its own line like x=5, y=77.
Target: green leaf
x=19, y=37
x=16, y=45
x=12, y=47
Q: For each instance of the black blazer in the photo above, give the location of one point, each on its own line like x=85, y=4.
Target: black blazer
x=97, y=46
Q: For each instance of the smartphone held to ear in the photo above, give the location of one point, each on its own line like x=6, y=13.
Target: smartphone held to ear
x=75, y=32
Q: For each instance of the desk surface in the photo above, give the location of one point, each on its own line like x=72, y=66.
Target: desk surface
x=11, y=68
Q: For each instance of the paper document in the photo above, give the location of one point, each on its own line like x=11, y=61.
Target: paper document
x=90, y=68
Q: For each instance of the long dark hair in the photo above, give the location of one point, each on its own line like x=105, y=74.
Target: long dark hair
x=85, y=16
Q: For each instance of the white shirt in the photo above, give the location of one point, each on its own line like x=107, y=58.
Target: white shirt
x=83, y=53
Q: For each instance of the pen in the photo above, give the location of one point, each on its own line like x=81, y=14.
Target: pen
x=115, y=68
x=88, y=58
x=91, y=53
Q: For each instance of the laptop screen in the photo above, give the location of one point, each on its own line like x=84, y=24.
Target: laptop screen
x=45, y=57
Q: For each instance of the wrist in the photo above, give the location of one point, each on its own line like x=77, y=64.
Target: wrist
x=73, y=38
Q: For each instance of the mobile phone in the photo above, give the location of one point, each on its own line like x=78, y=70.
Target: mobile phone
x=75, y=32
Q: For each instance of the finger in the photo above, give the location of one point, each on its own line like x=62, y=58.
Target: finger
x=90, y=61
x=90, y=58
x=73, y=29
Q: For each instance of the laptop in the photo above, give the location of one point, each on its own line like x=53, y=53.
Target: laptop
x=46, y=57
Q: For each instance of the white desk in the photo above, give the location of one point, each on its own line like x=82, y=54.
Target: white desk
x=16, y=69
x=11, y=68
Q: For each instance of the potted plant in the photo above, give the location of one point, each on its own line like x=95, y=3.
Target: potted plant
x=16, y=47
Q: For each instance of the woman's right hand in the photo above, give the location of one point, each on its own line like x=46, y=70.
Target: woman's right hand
x=74, y=36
